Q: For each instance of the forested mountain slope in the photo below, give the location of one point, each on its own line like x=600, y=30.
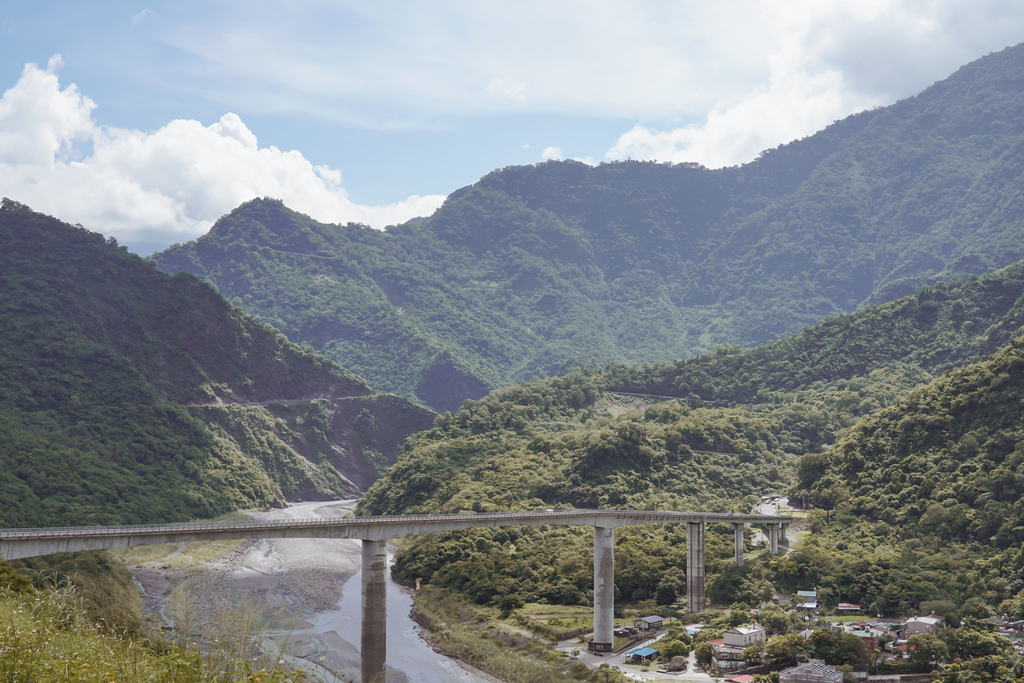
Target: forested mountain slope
x=742, y=420
x=535, y=269
x=947, y=460
x=939, y=328
x=128, y=395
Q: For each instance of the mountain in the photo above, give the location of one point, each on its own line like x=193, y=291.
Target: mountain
x=128, y=395
x=850, y=409
x=938, y=329
x=947, y=460
x=536, y=269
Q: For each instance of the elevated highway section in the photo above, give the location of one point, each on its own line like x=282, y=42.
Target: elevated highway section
x=375, y=531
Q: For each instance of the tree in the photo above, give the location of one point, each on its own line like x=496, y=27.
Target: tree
x=927, y=649
x=703, y=653
x=774, y=619
x=670, y=648
x=507, y=603
x=838, y=648
x=786, y=650
x=739, y=614
x=968, y=642
x=670, y=587
x=754, y=654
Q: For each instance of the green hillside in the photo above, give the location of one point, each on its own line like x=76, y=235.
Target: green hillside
x=127, y=395
x=947, y=460
x=746, y=423
x=938, y=329
x=536, y=269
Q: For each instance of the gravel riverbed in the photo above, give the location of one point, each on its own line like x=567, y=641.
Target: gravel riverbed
x=289, y=591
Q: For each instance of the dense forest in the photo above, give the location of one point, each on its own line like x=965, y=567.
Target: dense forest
x=939, y=328
x=820, y=408
x=127, y=395
x=947, y=460
x=538, y=269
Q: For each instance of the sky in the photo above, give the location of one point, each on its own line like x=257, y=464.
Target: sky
x=149, y=119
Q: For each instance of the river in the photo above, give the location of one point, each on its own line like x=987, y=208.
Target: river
x=332, y=638
x=408, y=653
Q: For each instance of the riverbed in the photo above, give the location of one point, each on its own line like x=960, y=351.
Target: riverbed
x=310, y=592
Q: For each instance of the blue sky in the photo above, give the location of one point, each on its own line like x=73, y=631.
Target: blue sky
x=148, y=120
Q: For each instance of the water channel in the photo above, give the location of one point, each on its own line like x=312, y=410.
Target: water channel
x=408, y=653
x=332, y=638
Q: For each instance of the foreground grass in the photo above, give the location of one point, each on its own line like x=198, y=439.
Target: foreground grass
x=45, y=635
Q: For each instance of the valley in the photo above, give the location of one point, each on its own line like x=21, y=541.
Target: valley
x=839, y=322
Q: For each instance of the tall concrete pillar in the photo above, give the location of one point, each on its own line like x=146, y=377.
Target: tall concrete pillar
x=604, y=590
x=737, y=530
x=695, y=566
x=783, y=526
x=773, y=538
x=374, y=622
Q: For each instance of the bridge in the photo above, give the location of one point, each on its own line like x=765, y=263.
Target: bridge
x=374, y=533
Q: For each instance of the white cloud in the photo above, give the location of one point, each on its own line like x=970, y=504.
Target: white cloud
x=715, y=82
x=386, y=65
x=825, y=61
x=141, y=16
x=551, y=153
x=407, y=65
x=162, y=186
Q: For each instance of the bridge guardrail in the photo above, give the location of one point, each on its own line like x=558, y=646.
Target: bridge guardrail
x=654, y=517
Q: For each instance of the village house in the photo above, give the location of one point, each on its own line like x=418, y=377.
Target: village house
x=727, y=651
x=650, y=623
x=870, y=636
x=917, y=625
x=807, y=599
x=744, y=636
x=740, y=678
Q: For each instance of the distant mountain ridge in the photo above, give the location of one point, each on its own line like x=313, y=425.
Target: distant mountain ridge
x=127, y=395
x=536, y=269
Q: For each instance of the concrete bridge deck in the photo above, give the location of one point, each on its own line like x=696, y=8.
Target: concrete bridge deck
x=19, y=543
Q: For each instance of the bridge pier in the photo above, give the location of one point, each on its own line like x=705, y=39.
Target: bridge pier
x=773, y=538
x=782, y=533
x=695, y=566
x=373, y=651
x=737, y=530
x=604, y=590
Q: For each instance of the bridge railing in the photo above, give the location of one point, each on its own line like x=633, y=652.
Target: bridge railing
x=637, y=515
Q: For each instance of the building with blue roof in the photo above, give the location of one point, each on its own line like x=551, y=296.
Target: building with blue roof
x=643, y=654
